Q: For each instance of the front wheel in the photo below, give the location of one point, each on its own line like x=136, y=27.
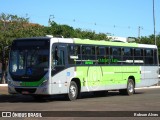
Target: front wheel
x=73, y=91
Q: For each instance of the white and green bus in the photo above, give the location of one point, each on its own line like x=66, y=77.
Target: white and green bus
x=49, y=66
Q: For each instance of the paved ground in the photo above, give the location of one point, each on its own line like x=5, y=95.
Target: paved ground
x=144, y=100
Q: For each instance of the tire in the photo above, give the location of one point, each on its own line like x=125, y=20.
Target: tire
x=73, y=91
x=130, y=88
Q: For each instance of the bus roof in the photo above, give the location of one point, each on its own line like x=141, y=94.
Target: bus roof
x=109, y=43
x=93, y=42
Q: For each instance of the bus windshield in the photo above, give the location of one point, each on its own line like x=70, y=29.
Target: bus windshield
x=29, y=62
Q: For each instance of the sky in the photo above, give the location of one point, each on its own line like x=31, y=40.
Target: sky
x=124, y=18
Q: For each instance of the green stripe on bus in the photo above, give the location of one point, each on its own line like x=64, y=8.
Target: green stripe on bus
x=32, y=84
x=102, y=42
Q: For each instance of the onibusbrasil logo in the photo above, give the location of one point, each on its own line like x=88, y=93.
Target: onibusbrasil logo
x=94, y=77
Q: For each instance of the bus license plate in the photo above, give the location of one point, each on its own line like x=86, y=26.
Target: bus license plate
x=25, y=92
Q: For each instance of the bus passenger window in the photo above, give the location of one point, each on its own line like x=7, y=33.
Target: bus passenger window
x=107, y=51
x=115, y=55
x=56, y=54
x=58, y=57
x=149, y=56
x=155, y=57
x=138, y=56
x=101, y=55
x=127, y=55
x=74, y=54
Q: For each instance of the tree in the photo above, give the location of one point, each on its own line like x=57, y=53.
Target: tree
x=9, y=24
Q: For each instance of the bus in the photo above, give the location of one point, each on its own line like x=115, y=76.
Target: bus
x=48, y=65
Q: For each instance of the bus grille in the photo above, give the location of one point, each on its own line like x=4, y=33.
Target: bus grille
x=30, y=90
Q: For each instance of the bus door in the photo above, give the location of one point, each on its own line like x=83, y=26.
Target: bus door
x=58, y=65
x=58, y=58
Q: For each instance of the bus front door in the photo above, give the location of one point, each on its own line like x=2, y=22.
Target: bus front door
x=58, y=58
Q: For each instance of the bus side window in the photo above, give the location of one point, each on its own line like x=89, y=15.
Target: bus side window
x=86, y=52
x=116, y=54
x=127, y=56
x=71, y=54
x=138, y=56
x=57, y=57
x=74, y=54
x=107, y=51
x=155, y=57
x=149, y=56
x=56, y=54
x=54, y=57
x=101, y=55
x=61, y=60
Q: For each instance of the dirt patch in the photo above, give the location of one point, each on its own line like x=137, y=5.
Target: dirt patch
x=3, y=90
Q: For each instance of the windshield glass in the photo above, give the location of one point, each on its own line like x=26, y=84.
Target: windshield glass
x=29, y=63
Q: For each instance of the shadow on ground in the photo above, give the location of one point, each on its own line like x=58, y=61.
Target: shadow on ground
x=6, y=98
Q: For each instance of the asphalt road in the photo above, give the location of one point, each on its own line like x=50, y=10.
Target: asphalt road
x=142, y=100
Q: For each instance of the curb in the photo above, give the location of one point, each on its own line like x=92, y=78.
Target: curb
x=3, y=85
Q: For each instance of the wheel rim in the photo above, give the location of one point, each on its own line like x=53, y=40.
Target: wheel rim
x=73, y=90
x=130, y=87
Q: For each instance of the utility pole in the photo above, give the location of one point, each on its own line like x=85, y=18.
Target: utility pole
x=50, y=18
x=139, y=32
x=154, y=23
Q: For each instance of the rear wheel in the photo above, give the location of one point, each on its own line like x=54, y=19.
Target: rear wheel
x=130, y=88
x=73, y=91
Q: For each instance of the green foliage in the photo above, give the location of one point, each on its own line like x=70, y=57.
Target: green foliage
x=69, y=32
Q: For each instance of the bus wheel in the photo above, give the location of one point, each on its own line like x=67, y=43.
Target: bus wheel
x=130, y=88
x=73, y=91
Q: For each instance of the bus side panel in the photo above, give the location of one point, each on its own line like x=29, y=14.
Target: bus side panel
x=149, y=76
x=61, y=81
x=132, y=72
x=96, y=78
x=91, y=78
x=112, y=75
